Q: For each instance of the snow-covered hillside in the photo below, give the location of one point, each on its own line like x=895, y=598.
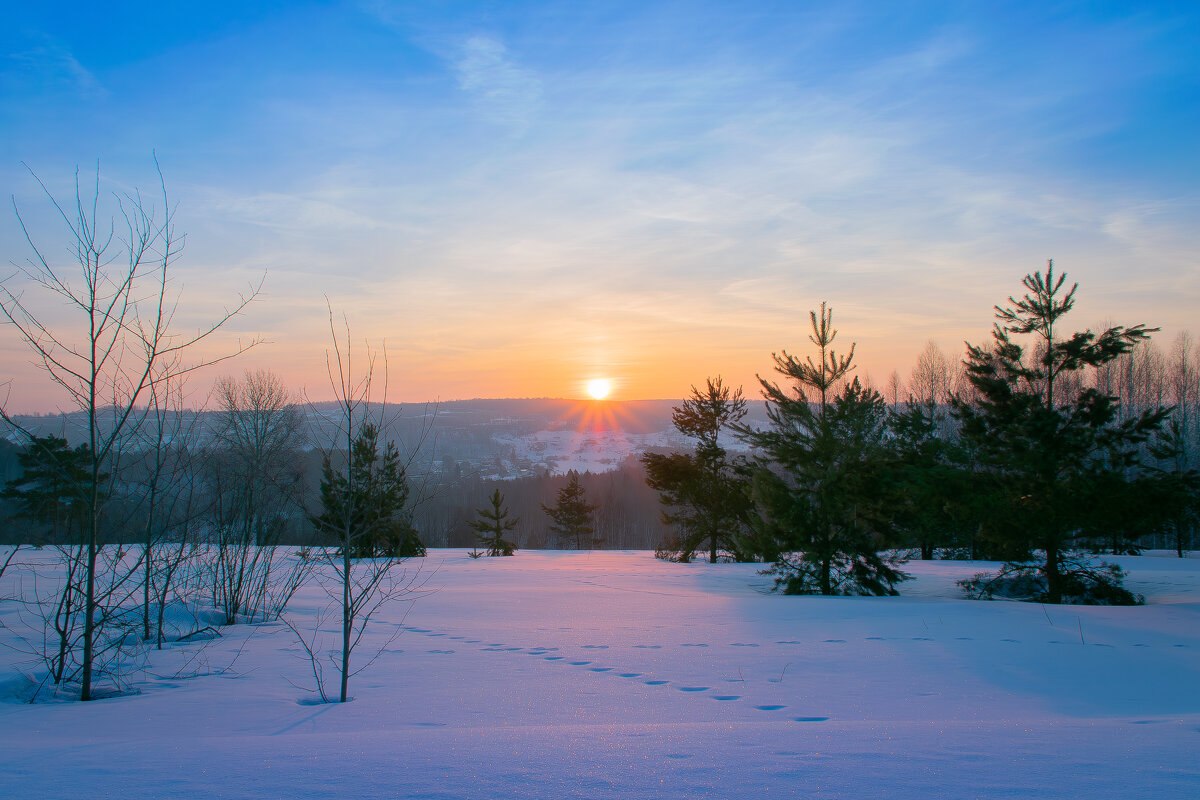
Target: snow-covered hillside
x=611, y=674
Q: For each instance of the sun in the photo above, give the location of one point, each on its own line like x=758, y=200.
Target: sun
x=599, y=388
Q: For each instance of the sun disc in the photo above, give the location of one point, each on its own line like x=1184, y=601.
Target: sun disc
x=599, y=388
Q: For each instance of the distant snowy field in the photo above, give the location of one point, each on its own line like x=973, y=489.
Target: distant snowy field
x=611, y=674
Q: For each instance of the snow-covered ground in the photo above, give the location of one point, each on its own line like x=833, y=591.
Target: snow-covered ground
x=561, y=675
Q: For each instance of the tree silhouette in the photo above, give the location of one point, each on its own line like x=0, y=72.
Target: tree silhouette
x=704, y=495
x=822, y=475
x=1048, y=455
x=571, y=515
x=492, y=526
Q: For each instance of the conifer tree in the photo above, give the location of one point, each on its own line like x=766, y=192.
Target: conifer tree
x=823, y=474
x=571, y=515
x=703, y=492
x=492, y=526
x=52, y=488
x=364, y=504
x=1049, y=452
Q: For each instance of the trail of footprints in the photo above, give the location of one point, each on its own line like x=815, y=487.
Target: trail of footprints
x=592, y=651
x=551, y=654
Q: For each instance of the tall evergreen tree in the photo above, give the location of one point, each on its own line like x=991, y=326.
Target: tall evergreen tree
x=705, y=496
x=824, y=471
x=1048, y=451
x=493, y=525
x=571, y=516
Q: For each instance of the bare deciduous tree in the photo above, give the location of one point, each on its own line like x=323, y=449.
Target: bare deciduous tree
x=117, y=284
x=256, y=481
x=358, y=508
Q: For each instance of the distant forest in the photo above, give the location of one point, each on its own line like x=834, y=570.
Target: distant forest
x=452, y=470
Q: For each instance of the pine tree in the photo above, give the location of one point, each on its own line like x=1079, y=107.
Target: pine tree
x=364, y=505
x=705, y=496
x=1048, y=452
x=53, y=486
x=492, y=525
x=571, y=516
x=824, y=473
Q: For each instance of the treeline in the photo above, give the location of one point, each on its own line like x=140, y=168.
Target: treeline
x=1043, y=447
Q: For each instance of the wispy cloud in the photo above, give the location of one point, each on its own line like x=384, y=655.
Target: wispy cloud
x=506, y=92
x=46, y=65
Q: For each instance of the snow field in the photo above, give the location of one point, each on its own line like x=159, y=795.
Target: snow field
x=611, y=674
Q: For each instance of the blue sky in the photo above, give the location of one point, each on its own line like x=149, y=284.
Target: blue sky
x=522, y=196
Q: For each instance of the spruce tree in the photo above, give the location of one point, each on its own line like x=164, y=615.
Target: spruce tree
x=704, y=494
x=823, y=474
x=571, y=515
x=492, y=525
x=1048, y=452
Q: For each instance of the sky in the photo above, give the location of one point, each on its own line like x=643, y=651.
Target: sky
x=513, y=198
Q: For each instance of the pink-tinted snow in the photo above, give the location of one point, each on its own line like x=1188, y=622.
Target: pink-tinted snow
x=561, y=675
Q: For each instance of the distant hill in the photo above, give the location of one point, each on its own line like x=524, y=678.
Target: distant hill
x=500, y=438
